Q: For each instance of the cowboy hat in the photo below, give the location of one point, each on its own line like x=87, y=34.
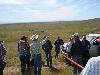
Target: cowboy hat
x=75, y=34
x=35, y=36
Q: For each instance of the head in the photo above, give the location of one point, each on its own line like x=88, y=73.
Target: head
x=75, y=34
x=34, y=37
x=44, y=37
x=84, y=37
x=1, y=41
x=71, y=39
x=58, y=37
x=76, y=38
x=23, y=38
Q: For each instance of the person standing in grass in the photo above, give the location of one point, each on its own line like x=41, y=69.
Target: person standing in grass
x=76, y=52
x=58, y=43
x=47, y=47
x=24, y=54
x=68, y=47
x=86, y=55
x=2, y=56
x=36, y=48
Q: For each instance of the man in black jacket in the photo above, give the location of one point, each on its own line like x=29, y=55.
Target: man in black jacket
x=77, y=51
x=47, y=48
x=58, y=44
x=86, y=55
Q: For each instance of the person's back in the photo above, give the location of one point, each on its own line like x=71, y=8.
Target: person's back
x=86, y=54
x=92, y=67
x=24, y=54
x=22, y=48
x=48, y=45
x=58, y=44
x=48, y=48
x=86, y=43
x=35, y=48
x=77, y=48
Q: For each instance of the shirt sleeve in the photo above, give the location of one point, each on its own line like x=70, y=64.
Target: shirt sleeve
x=89, y=68
x=44, y=41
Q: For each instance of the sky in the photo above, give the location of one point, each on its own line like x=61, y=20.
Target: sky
x=15, y=11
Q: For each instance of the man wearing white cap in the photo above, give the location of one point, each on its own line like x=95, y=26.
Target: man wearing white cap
x=36, y=48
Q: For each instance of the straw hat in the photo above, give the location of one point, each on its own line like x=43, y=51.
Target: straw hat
x=35, y=36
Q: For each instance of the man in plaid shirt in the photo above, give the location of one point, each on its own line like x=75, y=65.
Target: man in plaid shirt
x=92, y=67
x=36, y=47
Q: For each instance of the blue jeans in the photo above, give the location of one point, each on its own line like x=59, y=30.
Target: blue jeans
x=49, y=59
x=78, y=59
x=37, y=64
x=23, y=60
x=1, y=68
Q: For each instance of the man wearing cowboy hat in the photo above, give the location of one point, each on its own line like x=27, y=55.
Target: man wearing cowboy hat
x=36, y=48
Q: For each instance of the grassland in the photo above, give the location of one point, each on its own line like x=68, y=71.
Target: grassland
x=12, y=33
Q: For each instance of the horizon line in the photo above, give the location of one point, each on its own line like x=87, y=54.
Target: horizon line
x=46, y=21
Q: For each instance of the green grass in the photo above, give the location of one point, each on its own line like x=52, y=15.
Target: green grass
x=12, y=33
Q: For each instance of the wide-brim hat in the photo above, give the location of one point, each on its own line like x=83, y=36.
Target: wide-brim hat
x=75, y=34
x=35, y=36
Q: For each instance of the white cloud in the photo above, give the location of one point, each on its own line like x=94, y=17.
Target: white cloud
x=62, y=13
x=13, y=1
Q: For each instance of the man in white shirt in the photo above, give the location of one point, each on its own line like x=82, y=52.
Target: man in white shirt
x=68, y=47
x=92, y=67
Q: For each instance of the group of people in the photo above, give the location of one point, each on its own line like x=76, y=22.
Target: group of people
x=78, y=50
x=30, y=54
